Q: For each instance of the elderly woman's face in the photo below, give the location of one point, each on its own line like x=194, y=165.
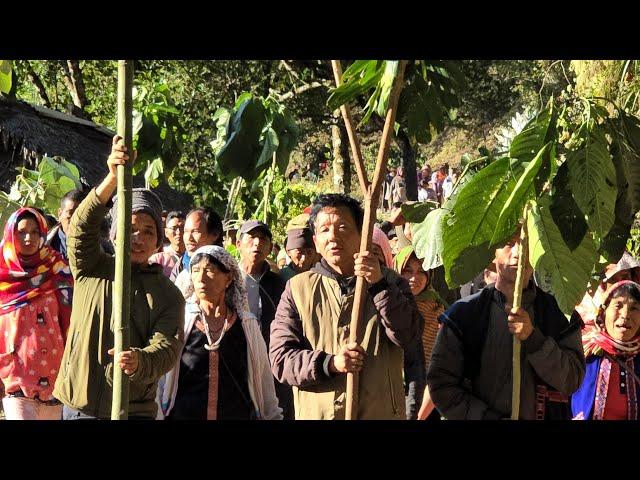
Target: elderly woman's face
x=209, y=282
x=622, y=318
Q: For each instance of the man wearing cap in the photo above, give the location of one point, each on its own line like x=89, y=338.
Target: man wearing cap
x=264, y=288
x=300, y=247
x=84, y=382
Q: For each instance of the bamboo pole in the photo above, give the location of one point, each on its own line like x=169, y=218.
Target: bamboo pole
x=353, y=140
x=267, y=190
x=371, y=196
x=122, y=281
x=523, y=258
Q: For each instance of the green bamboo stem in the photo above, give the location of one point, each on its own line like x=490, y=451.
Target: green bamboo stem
x=122, y=281
x=523, y=259
x=371, y=197
x=268, y=188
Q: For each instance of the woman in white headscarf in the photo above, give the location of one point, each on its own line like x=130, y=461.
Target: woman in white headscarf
x=223, y=372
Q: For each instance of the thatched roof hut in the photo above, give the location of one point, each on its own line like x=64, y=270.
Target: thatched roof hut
x=29, y=132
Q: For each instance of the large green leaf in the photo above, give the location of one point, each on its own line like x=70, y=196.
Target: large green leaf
x=416, y=212
x=359, y=78
x=565, y=211
x=559, y=271
x=427, y=238
x=237, y=158
x=7, y=207
x=513, y=209
x=386, y=83
x=533, y=136
x=5, y=76
x=269, y=147
x=221, y=119
x=469, y=227
x=592, y=179
x=153, y=173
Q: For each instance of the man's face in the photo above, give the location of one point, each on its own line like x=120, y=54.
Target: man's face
x=507, y=261
x=144, y=237
x=196, y=234
x=65, y=213
x=173, y=231
x=254, y=246
x=337, y=237
x=303, y=258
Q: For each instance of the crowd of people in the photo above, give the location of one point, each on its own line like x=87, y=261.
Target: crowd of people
x=267, y=336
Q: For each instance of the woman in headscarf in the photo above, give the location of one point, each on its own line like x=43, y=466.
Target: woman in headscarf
x=430, y=306
x=35, y=308
x=381, y=247
x=611, y=386
x=627, y=268
x=223, y=371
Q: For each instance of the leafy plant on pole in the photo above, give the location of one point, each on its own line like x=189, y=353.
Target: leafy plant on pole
x=253, y=143
x=570, y=181
x=158, y=135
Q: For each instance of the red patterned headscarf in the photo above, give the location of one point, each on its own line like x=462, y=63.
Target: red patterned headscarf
x=596, y=340
x=22, y=280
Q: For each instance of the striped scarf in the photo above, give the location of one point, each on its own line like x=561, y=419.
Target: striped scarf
x=22, y=280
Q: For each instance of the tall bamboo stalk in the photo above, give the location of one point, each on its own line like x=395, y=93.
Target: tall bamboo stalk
x=267, y=190
x=122, y=281
x=371, y=195
x=523, y=258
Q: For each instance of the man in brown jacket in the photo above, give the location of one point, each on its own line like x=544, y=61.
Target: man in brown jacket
x=309, y=346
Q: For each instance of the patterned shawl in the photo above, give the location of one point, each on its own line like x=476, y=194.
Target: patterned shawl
x=22, y=280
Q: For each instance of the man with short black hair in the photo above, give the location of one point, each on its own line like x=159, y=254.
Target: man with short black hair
x=57, y=236
x=172, y=253
x=202, y=226
x=310, y=347
x=470, y=374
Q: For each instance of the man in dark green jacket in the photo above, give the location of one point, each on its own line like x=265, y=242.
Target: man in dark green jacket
x=84, y=383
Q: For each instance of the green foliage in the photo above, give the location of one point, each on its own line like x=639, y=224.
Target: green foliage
x=427, y=238
x=5, y=76
x=559, y=270
x=42, y=188
x=592, y=178
x=512, y=211
x=158, y=135
x=248, y=136
x=582, y=209
x=416, y=212
x=431, y=91
x=470, y=226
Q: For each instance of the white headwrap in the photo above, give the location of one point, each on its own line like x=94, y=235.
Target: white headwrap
x=236, y=294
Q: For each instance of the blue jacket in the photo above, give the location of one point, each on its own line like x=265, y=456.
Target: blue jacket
x=583, y=399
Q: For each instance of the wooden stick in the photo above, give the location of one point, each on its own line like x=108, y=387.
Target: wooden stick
x=122, y=280
x=370, y=205
x=353, y=140
x=523, y=259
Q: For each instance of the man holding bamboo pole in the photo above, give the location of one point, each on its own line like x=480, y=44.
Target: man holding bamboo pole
x=310, y=348
x=470, y=375
x=84, y=384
